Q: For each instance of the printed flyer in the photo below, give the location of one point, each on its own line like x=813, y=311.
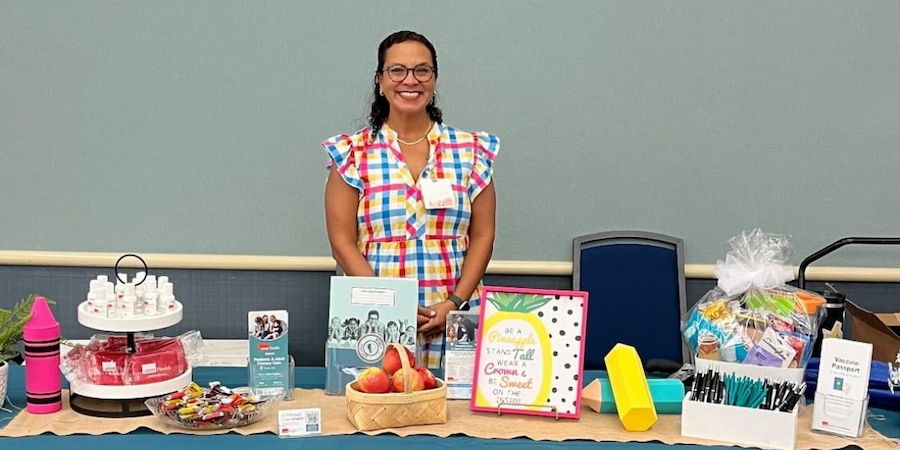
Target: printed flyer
x=459, y=353
x=269, y=358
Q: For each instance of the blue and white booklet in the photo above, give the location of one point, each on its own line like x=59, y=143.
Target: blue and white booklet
x=366, y=314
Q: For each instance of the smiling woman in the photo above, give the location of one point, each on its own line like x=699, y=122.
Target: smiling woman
x=410, y=196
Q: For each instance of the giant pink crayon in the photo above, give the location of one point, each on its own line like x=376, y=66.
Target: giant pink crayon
x=42, y=376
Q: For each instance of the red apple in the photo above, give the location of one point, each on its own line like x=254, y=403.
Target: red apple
x=418, y=384
x=427, y=378
x=373, y=381
x=391, y=361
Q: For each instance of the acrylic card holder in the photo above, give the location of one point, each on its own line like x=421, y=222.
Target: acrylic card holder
x=839, y=415
x=288, y=393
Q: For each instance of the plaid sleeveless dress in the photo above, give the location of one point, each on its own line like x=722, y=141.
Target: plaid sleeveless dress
x=397, y=235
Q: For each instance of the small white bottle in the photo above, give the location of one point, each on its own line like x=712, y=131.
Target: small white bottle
x=151, y=297
x=92, y=295
x=100, y=300
x=139, y=289
x=121, y=281
x=102, y=280
x=110, y=301
x=167, y=299
x=128, y=305
x=161, y=284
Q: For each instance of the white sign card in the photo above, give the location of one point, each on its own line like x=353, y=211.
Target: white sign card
x=299, y=422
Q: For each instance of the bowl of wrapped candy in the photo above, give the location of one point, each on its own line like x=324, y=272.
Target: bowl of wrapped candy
x=215, y=408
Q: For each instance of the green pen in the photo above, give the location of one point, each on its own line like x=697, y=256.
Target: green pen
x=727, y=380
x=742, y=397
x=757, y=399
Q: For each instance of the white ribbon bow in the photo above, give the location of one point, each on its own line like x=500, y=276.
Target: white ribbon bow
x=736, y=276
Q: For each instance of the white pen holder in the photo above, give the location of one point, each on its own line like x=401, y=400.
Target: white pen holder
x=739, y=425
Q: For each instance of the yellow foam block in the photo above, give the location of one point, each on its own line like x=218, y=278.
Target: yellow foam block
x=629, y=386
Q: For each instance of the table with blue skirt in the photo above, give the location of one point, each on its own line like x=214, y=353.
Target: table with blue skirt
x=885, y=422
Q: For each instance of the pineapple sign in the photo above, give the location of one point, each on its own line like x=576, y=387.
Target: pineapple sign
x=529, y=358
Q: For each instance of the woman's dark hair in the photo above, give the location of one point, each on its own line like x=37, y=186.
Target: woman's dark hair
x=380, y=105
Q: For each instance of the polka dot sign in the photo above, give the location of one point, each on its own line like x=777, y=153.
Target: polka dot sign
x=530, y=355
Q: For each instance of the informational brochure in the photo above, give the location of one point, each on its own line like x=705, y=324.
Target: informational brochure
x=459, y=353
x=269, y=363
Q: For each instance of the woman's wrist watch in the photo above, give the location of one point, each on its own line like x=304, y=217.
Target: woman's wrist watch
x=462, y=305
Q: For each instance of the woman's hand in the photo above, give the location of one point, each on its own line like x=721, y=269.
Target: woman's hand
x=423, y=317
x=438, y=318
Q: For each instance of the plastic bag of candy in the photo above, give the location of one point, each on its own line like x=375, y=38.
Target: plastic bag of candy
x=106, y=360
x=753, y=316
x=217, y=407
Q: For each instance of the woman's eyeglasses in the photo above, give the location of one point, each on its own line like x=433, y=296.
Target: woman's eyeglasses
x=399, y=73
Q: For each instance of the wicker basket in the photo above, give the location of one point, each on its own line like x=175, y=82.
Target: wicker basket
x=369, y=412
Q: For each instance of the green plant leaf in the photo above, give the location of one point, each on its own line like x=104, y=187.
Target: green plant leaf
x=12, y=324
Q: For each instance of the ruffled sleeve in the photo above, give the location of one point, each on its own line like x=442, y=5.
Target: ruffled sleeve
x=341, y=149
x=486, y=148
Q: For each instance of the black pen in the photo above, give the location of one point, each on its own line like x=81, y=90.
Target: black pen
x=698, y=378
x=779, y=394
x=791, y=402
x=703, y=387
x=788, y=391
x=706, y=385
x=720, y=392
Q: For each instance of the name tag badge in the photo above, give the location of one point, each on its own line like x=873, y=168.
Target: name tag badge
x=438, y=194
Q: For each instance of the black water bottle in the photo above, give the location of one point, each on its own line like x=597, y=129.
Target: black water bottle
x=833, y=321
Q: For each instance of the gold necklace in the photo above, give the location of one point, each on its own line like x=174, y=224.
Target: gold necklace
x=430, y=125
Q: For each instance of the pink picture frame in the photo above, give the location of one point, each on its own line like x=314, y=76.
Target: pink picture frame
x=562, y=314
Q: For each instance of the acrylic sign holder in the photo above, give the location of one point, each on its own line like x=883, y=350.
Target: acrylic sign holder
x=125, y=401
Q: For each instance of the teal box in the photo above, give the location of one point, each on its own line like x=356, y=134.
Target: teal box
x=667, y=395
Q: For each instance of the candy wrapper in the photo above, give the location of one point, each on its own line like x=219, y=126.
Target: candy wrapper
x=217, y=407
x=753, y=316
x=105, y=360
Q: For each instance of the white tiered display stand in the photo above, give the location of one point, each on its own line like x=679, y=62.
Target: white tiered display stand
x=124, y=401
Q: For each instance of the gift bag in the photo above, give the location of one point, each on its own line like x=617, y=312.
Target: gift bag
x=753, y=316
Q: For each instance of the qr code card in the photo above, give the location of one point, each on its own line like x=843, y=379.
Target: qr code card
x=299, y=422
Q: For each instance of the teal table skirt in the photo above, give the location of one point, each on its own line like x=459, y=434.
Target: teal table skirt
x=314, y=378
